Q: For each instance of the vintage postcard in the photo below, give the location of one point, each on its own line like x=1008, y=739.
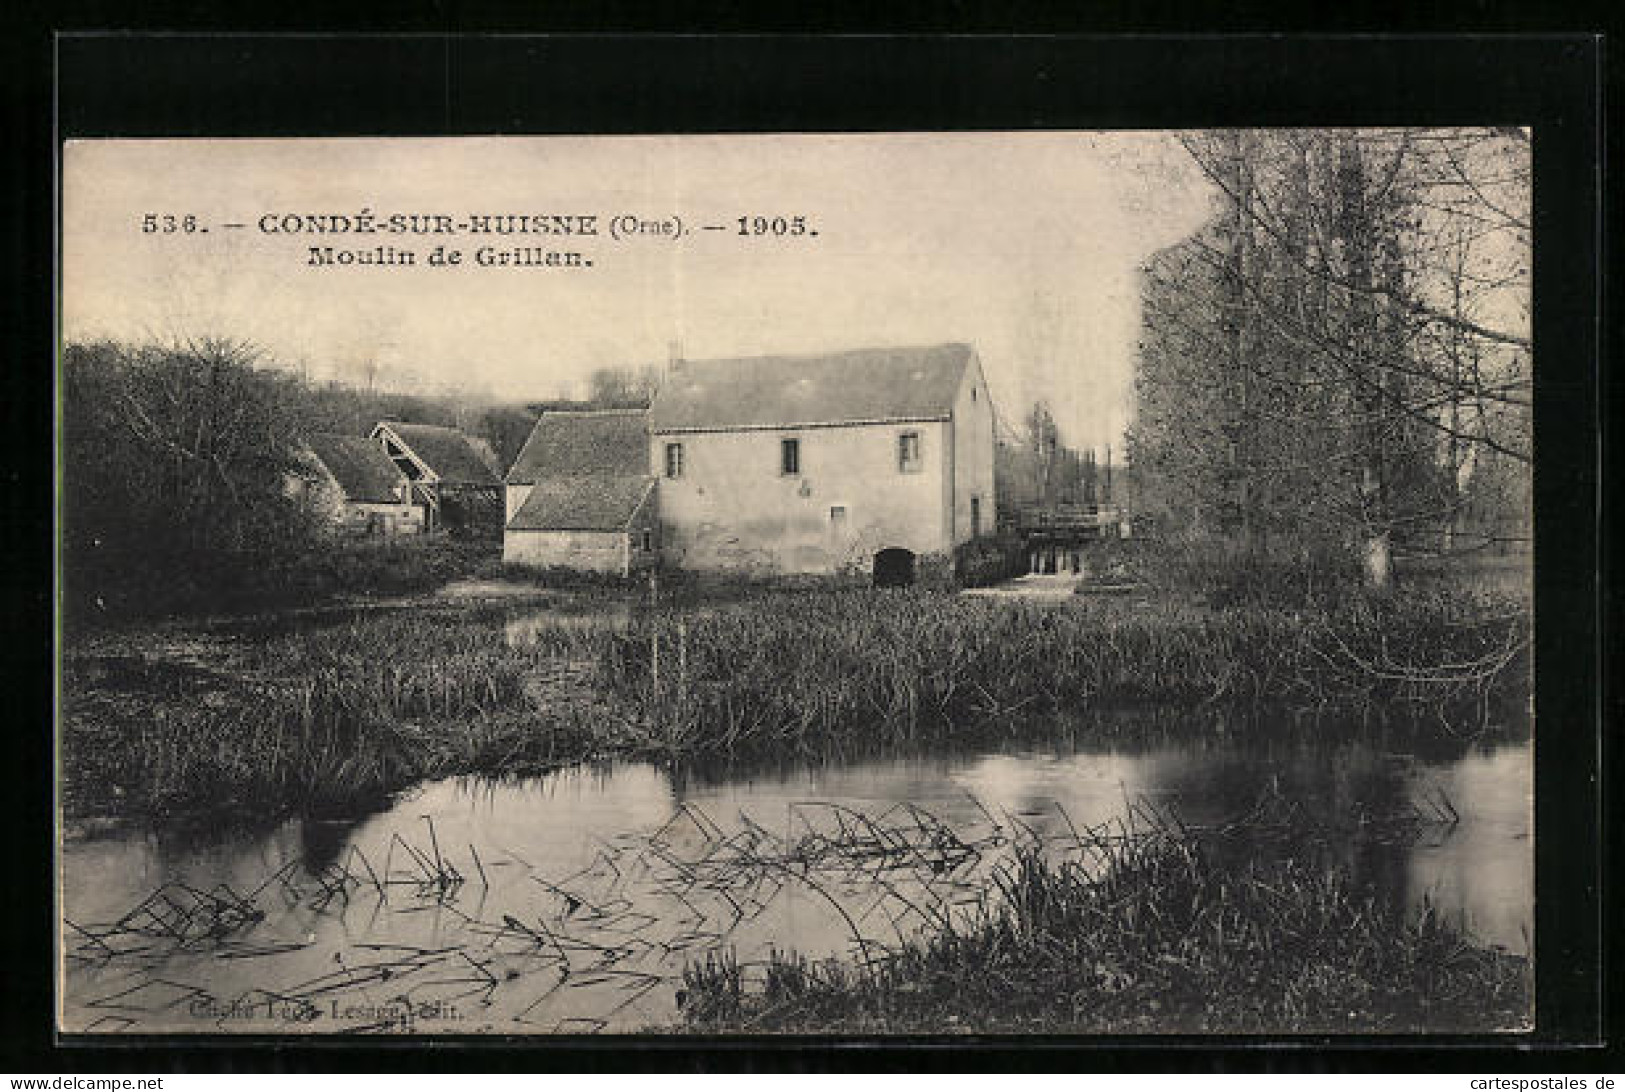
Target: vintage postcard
x=893, y=583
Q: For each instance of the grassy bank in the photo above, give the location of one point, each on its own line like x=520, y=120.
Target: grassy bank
x=1162, y=940
x=837, y=668
x=325, y=721
x=133, y=588
x=328, y=718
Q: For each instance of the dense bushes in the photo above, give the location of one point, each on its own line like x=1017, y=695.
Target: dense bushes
x=173, y=463
x=388, y=566
x=1217, y=572
x=106, y=587
x=175, y=466
x=1220, y=572
x=985, y=561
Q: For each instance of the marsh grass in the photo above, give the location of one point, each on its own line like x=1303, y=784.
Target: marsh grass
x=1156, y=938
x=334, y=718
x=845, y=668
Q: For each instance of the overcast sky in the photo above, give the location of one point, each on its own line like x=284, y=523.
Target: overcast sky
x=1025, y=245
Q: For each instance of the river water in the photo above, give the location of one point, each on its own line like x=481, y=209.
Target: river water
x=572, y=902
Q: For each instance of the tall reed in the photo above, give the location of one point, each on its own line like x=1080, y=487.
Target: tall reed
x=1164, y=940
x=317, y=717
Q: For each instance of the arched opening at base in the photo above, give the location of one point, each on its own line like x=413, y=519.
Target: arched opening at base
x=894, y=568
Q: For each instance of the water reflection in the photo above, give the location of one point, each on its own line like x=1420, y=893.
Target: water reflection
x=522, y=627
x=562, y=848
x=1484, y=876
x=323, y=841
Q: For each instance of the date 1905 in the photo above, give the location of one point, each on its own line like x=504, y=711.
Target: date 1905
x=774, y=225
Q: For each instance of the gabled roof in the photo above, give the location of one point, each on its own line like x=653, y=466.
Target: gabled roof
x=582, y=503
x=453, y=455
x=905, y=384
x=574, y=443
x=359, y=465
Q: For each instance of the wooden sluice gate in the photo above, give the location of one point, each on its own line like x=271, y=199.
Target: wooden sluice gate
x=1054, y=535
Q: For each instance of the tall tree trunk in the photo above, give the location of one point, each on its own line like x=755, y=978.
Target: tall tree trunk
x=1357, y=231
x=1237, y=306
x=1454, y=455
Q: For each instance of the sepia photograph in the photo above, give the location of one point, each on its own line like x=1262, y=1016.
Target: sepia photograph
x=867, y=584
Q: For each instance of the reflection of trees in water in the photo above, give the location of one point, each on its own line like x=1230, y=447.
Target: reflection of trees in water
x=321, y=841
x=1316, y=751
x=1122, y=730
x=179, y=841
x=1125, y=731
x=1324, y=792
x=260, y=848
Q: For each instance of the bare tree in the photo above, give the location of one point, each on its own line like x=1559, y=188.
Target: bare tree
x=623, y=386
x=1043, y=440
x=1348, y=333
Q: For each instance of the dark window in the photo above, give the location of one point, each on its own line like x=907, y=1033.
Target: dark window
x=973, y=392
x=647, y=541
x=976, y=517
x=789, y=456
x=837, y=516
x=908, y=453
x=674, y=460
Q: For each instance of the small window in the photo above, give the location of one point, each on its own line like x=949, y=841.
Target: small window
x=674, y=460
x=976, y=517
x=908, y=453
x=789, y=456
x=646, y=541
x=837, y=516
x=973, y=392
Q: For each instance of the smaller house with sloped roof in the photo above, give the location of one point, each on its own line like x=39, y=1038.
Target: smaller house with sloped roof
x=349, y=485
x=580, y=494
x=453, y=475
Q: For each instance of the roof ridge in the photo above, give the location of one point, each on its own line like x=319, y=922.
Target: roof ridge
x=826, y=354
x=424, y=424
x=596, y=476
x=593, y=412
x=845, y=386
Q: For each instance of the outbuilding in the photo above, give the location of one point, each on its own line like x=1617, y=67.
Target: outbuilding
x=351, y=486
x=580, y=496
x=453, y=475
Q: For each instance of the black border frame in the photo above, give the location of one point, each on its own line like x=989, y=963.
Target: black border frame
x=429, y=83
